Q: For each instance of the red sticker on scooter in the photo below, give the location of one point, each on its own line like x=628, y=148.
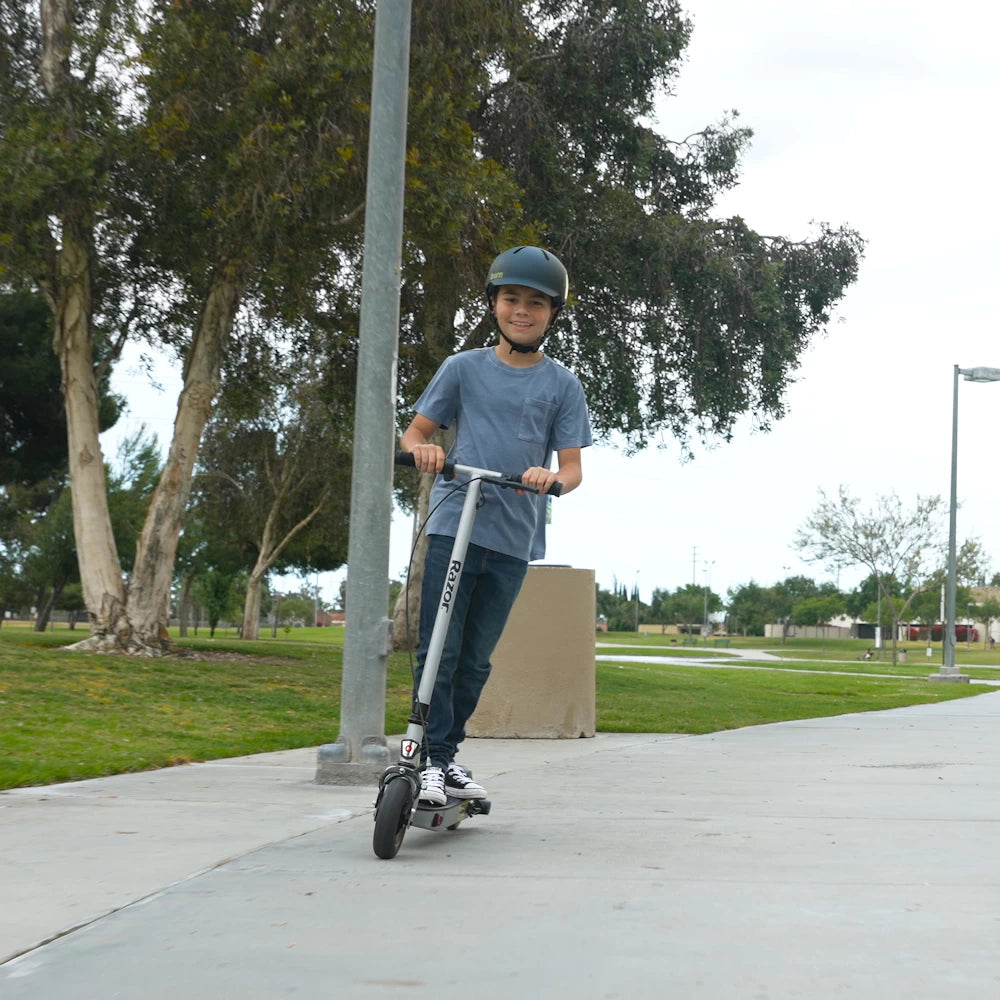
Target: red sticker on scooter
x=409, y=749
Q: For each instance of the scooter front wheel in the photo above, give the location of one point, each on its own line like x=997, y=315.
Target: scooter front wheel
x=392, y=817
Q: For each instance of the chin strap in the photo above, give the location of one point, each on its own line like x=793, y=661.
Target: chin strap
x=521, y=348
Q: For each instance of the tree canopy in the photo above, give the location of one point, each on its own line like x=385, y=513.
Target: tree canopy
x=679, y=322
x=273, y=481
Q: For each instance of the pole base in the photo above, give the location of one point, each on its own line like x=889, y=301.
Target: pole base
x=334, y=765
x=950, y=678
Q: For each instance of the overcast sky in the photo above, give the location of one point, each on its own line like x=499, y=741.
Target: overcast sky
x=879, y=115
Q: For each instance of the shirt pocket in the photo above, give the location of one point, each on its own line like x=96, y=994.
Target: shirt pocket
x=537, y=416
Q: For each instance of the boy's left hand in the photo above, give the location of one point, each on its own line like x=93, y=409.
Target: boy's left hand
x=538, y=478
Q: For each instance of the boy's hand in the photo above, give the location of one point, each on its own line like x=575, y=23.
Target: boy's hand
x=428, y=457
x=538, y=478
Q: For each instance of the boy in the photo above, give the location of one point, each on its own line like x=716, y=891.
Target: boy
x=512, y=407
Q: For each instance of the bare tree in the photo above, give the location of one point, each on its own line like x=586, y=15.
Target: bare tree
x=892, y=541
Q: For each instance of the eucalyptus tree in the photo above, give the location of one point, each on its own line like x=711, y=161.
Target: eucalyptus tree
x=254, y=183
x=167, y=172
x=679, y=323
x=274, y=475
x=63, y=125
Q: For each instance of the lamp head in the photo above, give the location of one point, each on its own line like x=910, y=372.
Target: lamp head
x=981, y=374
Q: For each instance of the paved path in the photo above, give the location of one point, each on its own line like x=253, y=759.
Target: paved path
x=736, y=659
x=853, y=856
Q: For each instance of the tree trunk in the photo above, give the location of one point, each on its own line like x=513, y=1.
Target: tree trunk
x=68, y=287
x=149, y=590
x=139, y=626
x=97, y=553
x=44, y=612
x=142, y=629
x=251, y=606
x=184, y=604
x=47, y=606
x=269, y=552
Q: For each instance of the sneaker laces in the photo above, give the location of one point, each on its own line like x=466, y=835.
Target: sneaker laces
x=433, y=779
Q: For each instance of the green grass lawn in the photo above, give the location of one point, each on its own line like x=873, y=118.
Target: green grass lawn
x=66, y=715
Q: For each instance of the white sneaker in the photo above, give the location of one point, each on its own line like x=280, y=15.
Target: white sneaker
x=432, y=786
x=459, y=784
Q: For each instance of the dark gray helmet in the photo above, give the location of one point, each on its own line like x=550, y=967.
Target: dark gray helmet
x=532, y=267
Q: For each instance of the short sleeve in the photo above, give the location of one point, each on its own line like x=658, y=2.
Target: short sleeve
x=440, y=400
x=572, y=424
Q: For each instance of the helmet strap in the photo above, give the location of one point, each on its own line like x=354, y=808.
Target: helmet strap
x=522, y=348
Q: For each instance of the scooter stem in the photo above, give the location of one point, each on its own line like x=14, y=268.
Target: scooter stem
x=455, y=564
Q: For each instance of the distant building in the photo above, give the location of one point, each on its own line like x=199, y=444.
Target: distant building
x=331, y=618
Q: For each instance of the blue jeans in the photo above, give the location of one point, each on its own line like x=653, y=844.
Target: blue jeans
x=486, y=592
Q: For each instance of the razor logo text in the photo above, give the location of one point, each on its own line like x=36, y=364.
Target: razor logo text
x=449, y=584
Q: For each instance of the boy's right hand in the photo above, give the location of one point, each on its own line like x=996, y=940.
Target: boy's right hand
x=428, y=457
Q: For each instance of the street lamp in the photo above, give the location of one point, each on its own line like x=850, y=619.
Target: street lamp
x=636, y=595
x=708, y=583
x=949, y=672
x=785, y=618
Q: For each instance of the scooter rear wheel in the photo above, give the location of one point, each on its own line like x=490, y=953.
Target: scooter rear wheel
x=392, y=818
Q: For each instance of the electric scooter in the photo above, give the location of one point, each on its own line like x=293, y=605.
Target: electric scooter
x=398, y=806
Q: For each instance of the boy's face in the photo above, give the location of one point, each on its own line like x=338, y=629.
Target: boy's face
x=523, y=313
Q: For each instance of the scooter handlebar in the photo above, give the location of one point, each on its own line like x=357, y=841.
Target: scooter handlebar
x=405, y=458
x=553, y=491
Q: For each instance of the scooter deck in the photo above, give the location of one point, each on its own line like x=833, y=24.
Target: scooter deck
x=448, y=816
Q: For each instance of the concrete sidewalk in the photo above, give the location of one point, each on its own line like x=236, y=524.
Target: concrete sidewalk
x=849, y=856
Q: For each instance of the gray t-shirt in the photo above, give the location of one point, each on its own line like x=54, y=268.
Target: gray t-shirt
x=507, y=420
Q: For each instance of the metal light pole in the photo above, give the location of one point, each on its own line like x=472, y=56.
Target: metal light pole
x=708, y=582
x=636, y=595
x=878, y=619
x=360, y=753
x=949, y=672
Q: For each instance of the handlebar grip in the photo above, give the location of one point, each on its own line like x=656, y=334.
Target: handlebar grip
x=405, y=458
x=553, y=491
